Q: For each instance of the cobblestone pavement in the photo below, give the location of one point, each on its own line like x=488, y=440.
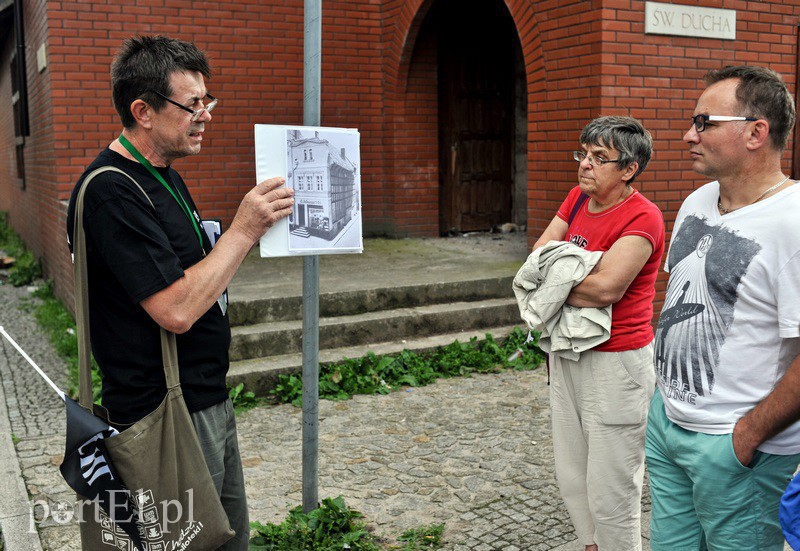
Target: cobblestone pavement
x=473, y=453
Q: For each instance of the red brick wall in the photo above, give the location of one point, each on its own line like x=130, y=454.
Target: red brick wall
x=561, y=47
x=33, y=211
x=414, y=140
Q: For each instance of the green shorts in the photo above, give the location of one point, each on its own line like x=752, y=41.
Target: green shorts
x=704, y=498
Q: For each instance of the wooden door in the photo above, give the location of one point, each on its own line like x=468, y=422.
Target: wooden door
x=476, y=84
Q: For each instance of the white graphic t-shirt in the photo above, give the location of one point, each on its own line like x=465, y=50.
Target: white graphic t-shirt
x=731, y=319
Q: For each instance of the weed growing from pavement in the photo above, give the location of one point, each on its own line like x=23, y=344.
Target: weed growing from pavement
x=242, y=399
x=374, y=374
x=425, y=537
x=25, y=268
x=332, y=526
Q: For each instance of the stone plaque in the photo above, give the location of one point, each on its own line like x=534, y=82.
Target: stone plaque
x=696, y=21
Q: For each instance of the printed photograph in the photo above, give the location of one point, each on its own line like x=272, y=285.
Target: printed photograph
x=323, y=168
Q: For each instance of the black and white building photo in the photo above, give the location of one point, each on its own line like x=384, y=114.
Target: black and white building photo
x=322, y=168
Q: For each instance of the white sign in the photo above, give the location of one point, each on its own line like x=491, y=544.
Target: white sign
x=326, y=218
x=700, y=22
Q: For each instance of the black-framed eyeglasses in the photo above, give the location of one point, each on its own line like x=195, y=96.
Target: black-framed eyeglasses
x=699, y=121
x=594, y=161
x=195, y=114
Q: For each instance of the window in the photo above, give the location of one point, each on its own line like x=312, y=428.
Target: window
x=19, y=101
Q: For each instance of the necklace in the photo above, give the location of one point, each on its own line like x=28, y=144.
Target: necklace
x=723, y=210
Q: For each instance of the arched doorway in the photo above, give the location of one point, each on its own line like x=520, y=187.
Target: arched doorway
x=482, y=115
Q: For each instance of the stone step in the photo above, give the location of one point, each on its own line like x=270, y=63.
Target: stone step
x=260, y=375
x=349, y=302
x=285, y=337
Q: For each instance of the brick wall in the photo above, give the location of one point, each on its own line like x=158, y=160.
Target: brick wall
x=33, y=211
x=414, y=142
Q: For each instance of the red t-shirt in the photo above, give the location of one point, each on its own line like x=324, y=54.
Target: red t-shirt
x=632, y=315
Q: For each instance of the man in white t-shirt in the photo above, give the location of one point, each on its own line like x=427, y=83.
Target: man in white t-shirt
x=723, y=437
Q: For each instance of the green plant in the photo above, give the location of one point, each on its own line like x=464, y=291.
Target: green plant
x=9, y=241
x=26, y=268
x=373, y=374
x=58, y=323
x=14, y=439
x=331, y=527
x=242, y=399
x=425, y=537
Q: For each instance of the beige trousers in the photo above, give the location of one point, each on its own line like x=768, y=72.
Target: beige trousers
x=599, y=410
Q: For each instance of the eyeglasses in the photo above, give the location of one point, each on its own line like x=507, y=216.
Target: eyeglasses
x=594, y=161
x=700, y=121
x=195, y=114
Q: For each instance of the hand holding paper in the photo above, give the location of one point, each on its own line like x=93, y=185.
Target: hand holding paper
x=262, y=207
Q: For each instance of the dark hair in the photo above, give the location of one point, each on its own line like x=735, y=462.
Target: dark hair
x=144, y=64
x=626, y=135
x=762, y=94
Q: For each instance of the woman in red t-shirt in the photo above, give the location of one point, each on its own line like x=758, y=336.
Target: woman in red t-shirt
x=599, y=403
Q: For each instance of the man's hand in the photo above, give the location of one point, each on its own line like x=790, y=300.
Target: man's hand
x=779, y=409
x=744, y=447
x=262, y=207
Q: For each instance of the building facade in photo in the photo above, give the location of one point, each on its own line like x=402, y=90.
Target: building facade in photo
x=324, y=181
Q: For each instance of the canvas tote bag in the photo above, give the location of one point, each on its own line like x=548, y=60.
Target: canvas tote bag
x=158, y=459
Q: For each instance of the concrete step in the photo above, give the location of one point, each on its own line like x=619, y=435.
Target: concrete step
x=285, y=337
x=349, y=302
x=260, y=375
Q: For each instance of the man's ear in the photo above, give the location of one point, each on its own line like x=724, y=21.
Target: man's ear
x=630, y=171
x=757, y=134
x=142, y=112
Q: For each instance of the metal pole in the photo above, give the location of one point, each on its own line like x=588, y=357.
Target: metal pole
x=312, y=77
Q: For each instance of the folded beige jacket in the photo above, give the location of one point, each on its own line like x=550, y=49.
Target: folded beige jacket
x=542, y=285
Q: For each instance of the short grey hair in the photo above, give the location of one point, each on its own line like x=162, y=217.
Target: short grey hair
x=625, y=134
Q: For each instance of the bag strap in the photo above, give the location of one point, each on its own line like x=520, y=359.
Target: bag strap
x=578, y=204
x=169, y=348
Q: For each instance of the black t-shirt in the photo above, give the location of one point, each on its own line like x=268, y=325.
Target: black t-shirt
x=134, y=252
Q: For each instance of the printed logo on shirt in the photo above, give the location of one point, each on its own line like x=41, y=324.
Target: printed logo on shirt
x=706, y=265
x=579, y=240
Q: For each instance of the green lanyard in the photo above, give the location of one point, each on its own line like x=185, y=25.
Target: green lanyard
x=176, y=194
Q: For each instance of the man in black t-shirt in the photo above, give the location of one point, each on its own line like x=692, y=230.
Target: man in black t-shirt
x=152, y=266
